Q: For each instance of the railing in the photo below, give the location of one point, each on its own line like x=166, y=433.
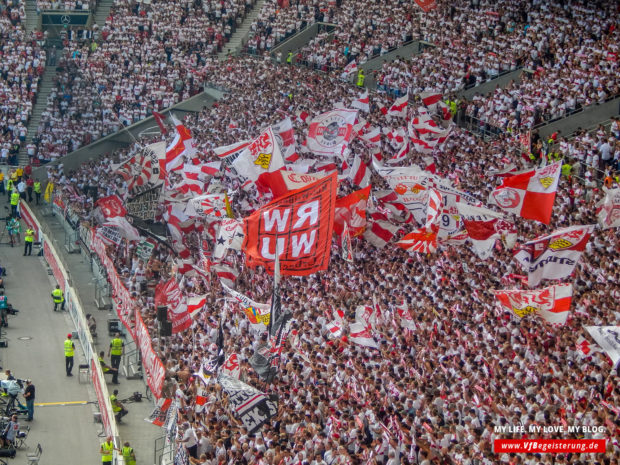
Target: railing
x=492, y=78
x=163, y=453
x=478, y=126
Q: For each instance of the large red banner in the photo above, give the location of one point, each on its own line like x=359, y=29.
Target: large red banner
x=125, y=303
x=302, y=223
x=105, y=419
x=53, y=263
x=155, y=372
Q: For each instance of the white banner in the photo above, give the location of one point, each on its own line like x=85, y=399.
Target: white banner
x=554, y=256
x=608, y=337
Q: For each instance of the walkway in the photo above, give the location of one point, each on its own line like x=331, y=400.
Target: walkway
x=35, y=350
x=133, y=428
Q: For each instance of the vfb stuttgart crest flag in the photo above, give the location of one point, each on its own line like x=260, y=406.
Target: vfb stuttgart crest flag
x=530, y=194
x=301, y=222
x=554, y=256
x=330, y=133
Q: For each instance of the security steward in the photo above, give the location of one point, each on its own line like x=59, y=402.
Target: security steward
x=117, y=407
x=69, y=352
x=14, y=202
x=360, y=78
x=108, y=369
x=58, y=297
x=28, y=240
x=107, y=451
x=37, y=191
x=115, y=352
x=128, y=454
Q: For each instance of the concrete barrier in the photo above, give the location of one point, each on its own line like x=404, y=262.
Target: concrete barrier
x=127, y=135
x=590, y=116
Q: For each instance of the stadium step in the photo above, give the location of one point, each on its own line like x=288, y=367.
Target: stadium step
x=32, y=18
x=240, y=36
x=102, y=12
x=45, y=87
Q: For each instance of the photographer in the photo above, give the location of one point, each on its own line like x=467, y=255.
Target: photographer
x=14, y=228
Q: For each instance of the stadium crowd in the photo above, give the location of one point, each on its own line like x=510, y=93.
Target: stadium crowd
x=557, y=45
x=429, y=395
x=143, y=59
x=23, y=62
x=66, y=5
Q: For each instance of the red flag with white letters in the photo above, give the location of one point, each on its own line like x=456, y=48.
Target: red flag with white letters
x=302, y=223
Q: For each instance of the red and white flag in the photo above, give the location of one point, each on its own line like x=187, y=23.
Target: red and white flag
x=366, y=315
x=111, y=206
x=330, y=133
x=231, y=366
x=379, y=233
x=362, y=335
x=422, y=146
x=551, y=303
x=159, y=119
x=262, y=155
x=423, y=240
x=209, y=205
x=427, y=5
x=350, y=68
x=484, y=227
x=362, y=102
x=530, y=194
x=195, y=304
x=609, y=209
x=423, y=126
x=285, y=135
x=399, y=107
x=373, y=136
x=554, y=256
x=351, y=210
x=400, y=155
x=585, y=347
x=334, y=328
x=226, y=273
x=182, y=146
x=360, y=174
x=298, y=226
x=430, y=99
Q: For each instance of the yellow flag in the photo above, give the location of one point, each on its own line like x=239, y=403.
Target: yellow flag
x=48, y=192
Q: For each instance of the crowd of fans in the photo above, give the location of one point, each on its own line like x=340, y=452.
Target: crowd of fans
x=79, y=5
x=432, y=395
x=143, y=58
x=569, y=57
x=22, y=64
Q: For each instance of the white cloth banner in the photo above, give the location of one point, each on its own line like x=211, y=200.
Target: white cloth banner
x=608, y=337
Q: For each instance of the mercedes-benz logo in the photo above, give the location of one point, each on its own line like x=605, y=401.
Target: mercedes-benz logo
x=65, y=19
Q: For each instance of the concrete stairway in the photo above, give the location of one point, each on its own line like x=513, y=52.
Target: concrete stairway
x=102, y=12
x=45, y=87
x=239, y=37
x=32, y=18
